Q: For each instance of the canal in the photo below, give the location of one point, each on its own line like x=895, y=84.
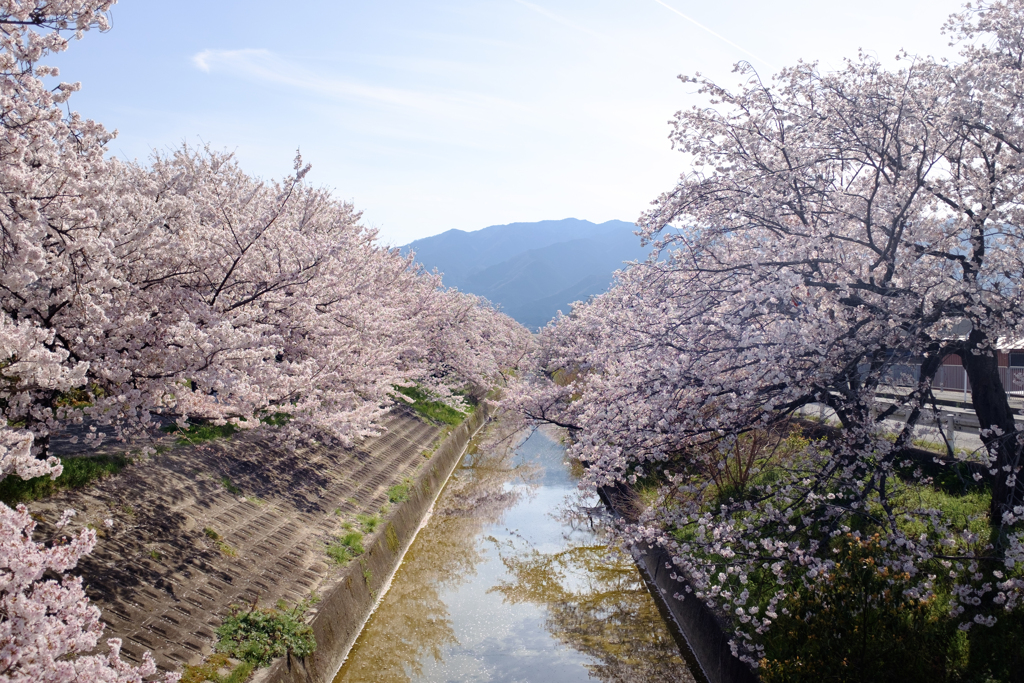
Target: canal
x=507, y=582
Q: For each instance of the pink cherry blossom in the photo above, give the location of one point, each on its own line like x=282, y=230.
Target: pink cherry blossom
x=833, y=229
x=185, y=288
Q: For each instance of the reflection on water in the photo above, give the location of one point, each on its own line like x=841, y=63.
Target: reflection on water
x=497, y=587
x=598, y=605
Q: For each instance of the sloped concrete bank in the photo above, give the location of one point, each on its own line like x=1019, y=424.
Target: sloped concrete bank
x=348, y=602
x=705, y=643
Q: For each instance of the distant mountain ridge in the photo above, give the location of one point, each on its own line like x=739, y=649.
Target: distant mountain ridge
x=532, y=270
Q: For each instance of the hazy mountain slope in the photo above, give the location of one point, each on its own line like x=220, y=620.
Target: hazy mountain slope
x=537, y=313
x=532, y=270
x=540, y=273
x=459, y=254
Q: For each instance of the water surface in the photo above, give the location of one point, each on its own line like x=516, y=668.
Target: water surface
x=504, y=585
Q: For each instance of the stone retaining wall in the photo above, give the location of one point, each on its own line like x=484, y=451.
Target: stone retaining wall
x=704, y=641
x=699, y=627
x=350, y=600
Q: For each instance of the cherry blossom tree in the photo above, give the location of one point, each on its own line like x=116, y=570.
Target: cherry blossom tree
x=49, y=162
x=52, y=182
x=47, y=621
x=832, y=227
x=188, y=288
x=205, y=292
x=247, y=297
x=464, y=339
x=223, y=296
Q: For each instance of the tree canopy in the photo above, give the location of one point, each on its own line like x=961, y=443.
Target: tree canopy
x=831, y=227
x=183, y=288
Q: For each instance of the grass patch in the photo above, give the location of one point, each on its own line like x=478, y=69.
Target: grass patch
x=343, y=548
x=78, y=472
x=399, y=493
x=229, y=486
x=369, y=522
x=967, y=510
x=435, y=411
x=938, y=447
x=257, y=636
x=77, y=397
x=196, y=433
x=239, y=674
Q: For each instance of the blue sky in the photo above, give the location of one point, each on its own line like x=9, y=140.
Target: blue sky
x=433, y=115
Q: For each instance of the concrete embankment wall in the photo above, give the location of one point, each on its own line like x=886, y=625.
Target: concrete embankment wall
x=352, y=598
x=705, y=643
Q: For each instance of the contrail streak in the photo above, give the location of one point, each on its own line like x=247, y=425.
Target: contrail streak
x=716, y=35
x=560, y=20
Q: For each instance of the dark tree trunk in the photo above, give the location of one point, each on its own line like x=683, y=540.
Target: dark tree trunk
x=999, y=432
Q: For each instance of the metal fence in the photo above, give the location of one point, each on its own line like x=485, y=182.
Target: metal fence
x=954, y=378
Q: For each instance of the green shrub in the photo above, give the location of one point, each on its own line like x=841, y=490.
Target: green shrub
x=857, y=624
x=78, y=472
x=259, y=635
x=861, y=621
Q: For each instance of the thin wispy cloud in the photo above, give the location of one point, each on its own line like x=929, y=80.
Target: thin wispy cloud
x=269, y=68
x=716, y=35
x=561, y=20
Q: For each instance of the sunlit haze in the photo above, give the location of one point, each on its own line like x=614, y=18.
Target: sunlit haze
x=437, y=115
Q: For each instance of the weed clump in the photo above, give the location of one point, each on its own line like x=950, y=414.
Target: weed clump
x=369, y=522
x=399, y=493
x=259, y=635
x=208, y=671
x=343, y=548
x=221, y=543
